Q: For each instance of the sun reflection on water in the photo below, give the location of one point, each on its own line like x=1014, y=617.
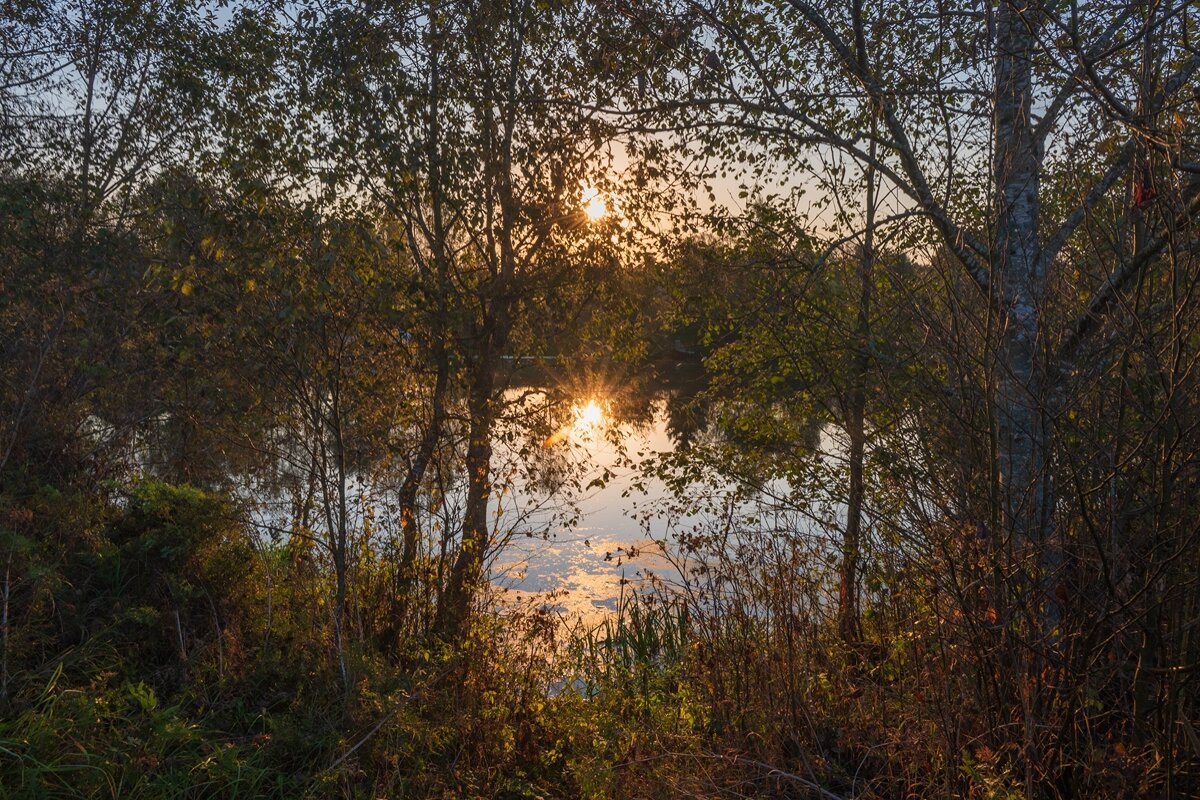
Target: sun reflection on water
x=588, y=416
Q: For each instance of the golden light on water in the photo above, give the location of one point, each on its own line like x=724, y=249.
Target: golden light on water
x=594, y=206
x=587, y=418
x=588, y=415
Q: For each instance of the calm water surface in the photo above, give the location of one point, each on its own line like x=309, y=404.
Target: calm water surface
x=622, y=534
x=580, y=566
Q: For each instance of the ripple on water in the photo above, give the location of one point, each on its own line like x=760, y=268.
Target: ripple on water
x=586, y=579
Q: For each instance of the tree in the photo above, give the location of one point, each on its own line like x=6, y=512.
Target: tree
x=971, y=115
x=457, y=123
x=98, y=96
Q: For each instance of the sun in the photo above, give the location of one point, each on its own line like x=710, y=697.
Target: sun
x=594, y=206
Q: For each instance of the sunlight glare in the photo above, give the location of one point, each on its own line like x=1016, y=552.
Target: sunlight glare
x=593, y=204
x=588, y=415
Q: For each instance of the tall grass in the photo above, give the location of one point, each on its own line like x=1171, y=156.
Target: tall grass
x=646, y=632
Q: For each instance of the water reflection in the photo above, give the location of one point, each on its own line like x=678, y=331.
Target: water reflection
x=588, y=416
x=580, y=563
x=587, y=421
x=613, y=517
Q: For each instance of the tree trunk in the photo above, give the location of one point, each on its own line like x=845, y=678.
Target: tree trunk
x=856, y=411
x=336, y=517
x=498, y=295
x=436, y=239
x=1019, y=280
x=455, y=603
x=410, y=529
